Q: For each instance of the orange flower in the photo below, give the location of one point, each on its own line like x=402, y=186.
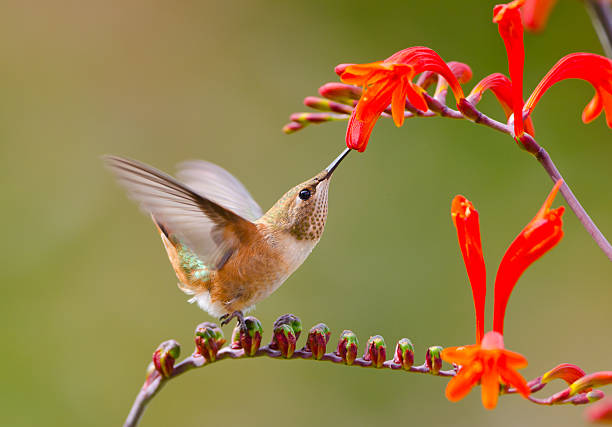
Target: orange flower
x=535, y=13
x=501, y=87
x=510, y=25
x=487, y=361
x=595, y=69
x=390, y=82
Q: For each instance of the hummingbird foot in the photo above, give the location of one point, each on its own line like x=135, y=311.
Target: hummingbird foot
x=226, y=318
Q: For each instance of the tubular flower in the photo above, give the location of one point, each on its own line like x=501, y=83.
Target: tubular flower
x=508, y=19
x=595, y=69
x=390, y=82
x=535, y=13
x=465, y=218
x=501, y=86
x=487, y=361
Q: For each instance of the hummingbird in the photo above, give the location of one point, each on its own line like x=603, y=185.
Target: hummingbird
x=225, y=252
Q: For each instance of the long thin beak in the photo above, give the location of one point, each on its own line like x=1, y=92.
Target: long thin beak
x=330, y=169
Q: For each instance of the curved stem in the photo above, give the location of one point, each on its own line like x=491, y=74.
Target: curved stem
x=154, y=381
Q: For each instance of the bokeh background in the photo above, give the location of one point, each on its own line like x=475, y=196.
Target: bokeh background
x=87, y=290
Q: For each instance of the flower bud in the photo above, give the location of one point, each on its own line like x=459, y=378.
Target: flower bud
x=323, y=104
x=347, y=346
x=250, y=340
x=208, y=340
x=284, y=340
x=433, y=359
x=565, y=371
x=318, y=337
x=291, y=320
x=165, y=356
x=376, y=351
x=341, y=92
x=595, y=395
x=287, y=330
x=404, y=353
x=292, y=127
x=595, y=379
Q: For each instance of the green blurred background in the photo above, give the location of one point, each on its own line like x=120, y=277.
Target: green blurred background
x=88, y=292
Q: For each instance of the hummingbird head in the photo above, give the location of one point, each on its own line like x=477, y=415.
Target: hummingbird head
x=302, y=211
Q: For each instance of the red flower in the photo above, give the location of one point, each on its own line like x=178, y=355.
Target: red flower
x=390, y=82
x=535, y=13
x=487, y=361
x=501, y=87
x=508, y=19
x=595, y=69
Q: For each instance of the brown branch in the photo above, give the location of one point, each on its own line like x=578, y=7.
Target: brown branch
x=287, y=328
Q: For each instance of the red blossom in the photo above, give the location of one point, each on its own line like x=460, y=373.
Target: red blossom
x=595, y=69
x=508, y=18
x=488, y=362
x=390, y=82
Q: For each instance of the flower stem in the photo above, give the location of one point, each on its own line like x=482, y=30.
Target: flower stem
x=573, y=203
x=601, y=17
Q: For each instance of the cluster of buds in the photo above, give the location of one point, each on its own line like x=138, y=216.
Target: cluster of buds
x=287, y=330
x=165, y=356
x=248, y=340
x=208, y=340
x=318, y=337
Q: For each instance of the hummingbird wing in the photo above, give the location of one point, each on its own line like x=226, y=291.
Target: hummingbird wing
x=210, y=230
x=220, y=186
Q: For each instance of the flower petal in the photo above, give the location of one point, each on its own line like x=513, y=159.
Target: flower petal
x=542, y=233
x=595, y=69
x=398, y=102
x=510, y=26
x=490, y=388
x=462, y=355
x=465, y=218
x=514, y=360
x=461, y=384
x=512, y=378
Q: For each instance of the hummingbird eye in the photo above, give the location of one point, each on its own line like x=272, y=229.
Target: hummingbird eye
x=305, y=194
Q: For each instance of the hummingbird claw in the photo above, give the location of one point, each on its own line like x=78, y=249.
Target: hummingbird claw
x=226, y=318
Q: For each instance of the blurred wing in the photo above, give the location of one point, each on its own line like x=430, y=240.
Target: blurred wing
x=215, y=183
x=207, y=228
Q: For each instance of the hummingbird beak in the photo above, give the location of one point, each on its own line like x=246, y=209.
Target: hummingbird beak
x=330, y=169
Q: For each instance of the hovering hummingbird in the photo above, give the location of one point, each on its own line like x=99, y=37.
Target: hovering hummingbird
x=225, y=252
